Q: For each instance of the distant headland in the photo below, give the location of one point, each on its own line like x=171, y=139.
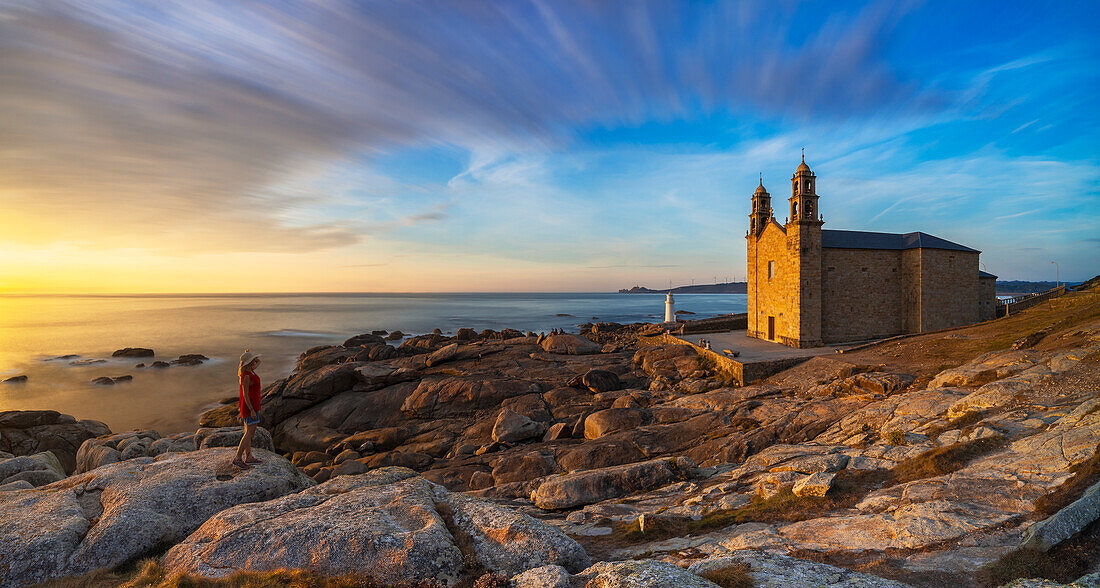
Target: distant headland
x=1003, y=287
x=725, y=288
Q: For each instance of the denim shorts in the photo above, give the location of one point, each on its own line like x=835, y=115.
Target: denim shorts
x=252, y=420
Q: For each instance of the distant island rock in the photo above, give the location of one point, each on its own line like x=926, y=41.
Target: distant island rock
x=133, y=352
x=725, y=288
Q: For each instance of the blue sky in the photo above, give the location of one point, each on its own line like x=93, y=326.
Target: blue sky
x=408, y=146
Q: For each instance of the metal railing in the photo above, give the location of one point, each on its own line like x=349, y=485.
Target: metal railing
x=1015, y=304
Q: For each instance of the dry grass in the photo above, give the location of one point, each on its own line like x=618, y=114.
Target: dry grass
x=967, y=419
x=943, y=460
x=925, y=355
x=849, y=487
x=734, y=576
x=1064, y=563
x=1085, y=474
x=895, y=438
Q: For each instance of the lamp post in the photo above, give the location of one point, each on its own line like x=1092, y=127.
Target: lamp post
x=1057, y=273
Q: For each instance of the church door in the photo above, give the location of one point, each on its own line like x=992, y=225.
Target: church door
x=771, y=328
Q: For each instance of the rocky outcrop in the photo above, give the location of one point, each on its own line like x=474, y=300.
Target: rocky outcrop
x=544, y=577
x=126, y=510
x=511, y=427
x=390, y=525
x=455, y=396
x=771, y=569
x=113, y=448
x=35, y=470
x=567, y=344
x=646, y=573
x=1062, y=525
x=285, y=398
x=612, y=420
x=588, y=487
x=26, y=432
x=597, y=381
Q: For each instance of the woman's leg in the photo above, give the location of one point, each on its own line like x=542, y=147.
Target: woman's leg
x=246, y=441
x=243, y=446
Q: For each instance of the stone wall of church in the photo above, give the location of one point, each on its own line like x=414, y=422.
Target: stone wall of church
x=987, y=299
x=775, y=297
x=911, y=289
x=948, y=289
x=863, y=294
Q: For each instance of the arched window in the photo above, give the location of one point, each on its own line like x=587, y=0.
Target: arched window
x=794, y=210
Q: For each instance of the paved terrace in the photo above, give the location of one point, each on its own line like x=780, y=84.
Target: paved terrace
x=758, y=358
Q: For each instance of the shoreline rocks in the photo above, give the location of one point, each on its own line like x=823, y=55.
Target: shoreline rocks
x=390, y=525
x=26, y=432
x=126, y=510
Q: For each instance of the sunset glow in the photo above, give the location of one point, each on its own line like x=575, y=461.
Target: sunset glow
x=194, y=147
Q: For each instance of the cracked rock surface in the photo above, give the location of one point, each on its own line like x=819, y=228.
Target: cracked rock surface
x=123, y=511
x=389, y=524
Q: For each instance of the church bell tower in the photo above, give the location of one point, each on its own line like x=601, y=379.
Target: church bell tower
x=803, y=194
x=804, y=247
x=761, y=209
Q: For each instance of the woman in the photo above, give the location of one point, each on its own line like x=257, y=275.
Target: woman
x=250, y=408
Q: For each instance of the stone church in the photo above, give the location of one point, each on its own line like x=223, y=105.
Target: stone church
x=810, y=286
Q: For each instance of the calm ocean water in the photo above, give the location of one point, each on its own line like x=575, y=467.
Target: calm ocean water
x=276, y=326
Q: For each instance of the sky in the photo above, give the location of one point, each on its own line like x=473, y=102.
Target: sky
x=194, y=146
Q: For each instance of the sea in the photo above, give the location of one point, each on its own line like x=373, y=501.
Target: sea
x=37, y=330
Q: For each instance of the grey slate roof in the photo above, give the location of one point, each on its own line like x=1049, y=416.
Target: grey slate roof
x=982, y=274
x=834, y=239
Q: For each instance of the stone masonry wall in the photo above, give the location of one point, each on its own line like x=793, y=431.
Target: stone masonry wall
x=987, y=299
x=863, y=294
x=804, y=246
x=775, y=297
x=910, y=293
x=949, y=289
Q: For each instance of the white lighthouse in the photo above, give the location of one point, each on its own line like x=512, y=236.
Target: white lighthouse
x=670, y=308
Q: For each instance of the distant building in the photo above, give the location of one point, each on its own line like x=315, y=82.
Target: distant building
x=810, y=286
x=670, y=308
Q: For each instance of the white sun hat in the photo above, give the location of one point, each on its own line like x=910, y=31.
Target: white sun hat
x=247, y=357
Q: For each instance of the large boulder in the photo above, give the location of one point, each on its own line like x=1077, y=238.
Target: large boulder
x=228, y=415
x=364, y=340
x=1063, y=524
x=119, y=512
x=512, y=427
x=567, y=344
x=116, y=447
x=285, y=398
x=597, y=381
x=646, y=573
x=448, y=353
x=612, y=420
x=437, y=398
x=26, y=432
x=591, y=486
x=37, y=470
x=323, y=355
x=508, y=542
x=389, y=525
x=375, y=376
